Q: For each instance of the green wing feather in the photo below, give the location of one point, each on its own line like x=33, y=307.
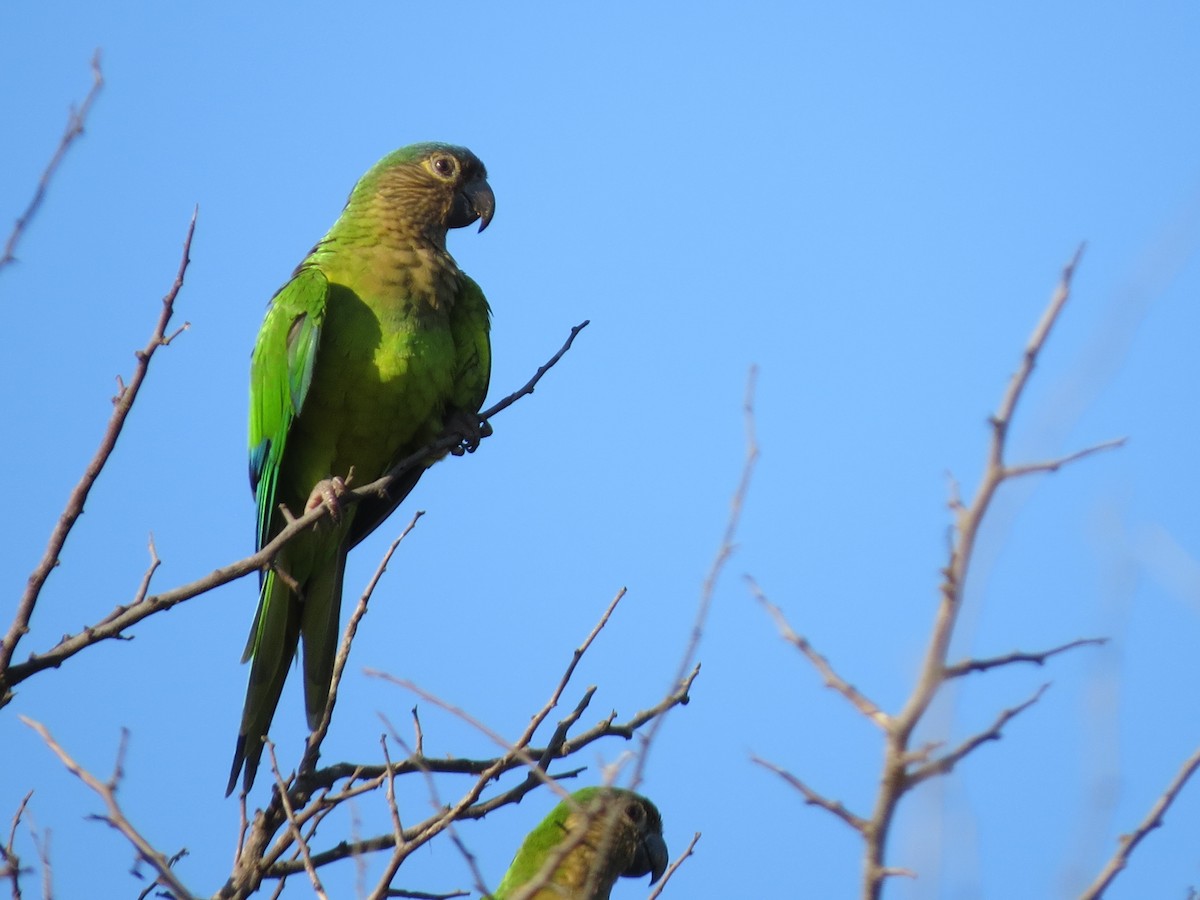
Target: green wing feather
x=281, y=372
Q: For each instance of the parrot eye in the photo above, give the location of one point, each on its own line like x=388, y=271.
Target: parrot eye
x=635, y=813
x=443, y=166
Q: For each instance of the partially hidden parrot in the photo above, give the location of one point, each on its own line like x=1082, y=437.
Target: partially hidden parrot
x=376, y=344
x=613, y=833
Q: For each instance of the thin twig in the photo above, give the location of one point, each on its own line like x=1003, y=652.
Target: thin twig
x=943, y=765
x=12, y=862
x=76, y=119
x=1154, y=819
x=814, y=798
x=74, y=509
x=831, y=678
x=294, y=826
x=393, y=865
x=401, y=851
x=671, y=869
x=967, y=666
x=517, y=749
x=115, y=817
x=41, y=843
x=724, y=552
x=1053, y=465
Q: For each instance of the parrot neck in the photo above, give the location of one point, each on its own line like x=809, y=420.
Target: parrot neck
x=386, y=260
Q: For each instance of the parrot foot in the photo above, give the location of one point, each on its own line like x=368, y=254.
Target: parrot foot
x=470, y=428
x=328, y=492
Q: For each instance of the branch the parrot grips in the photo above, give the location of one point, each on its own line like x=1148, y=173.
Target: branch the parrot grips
x=375, y=343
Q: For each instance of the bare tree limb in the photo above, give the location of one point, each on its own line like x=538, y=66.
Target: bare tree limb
x=124, y=617
x=115, y=817
x=75, y=122
x=123, y=403
x=895, y=779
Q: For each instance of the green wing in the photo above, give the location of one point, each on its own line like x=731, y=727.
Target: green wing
x=281, y=371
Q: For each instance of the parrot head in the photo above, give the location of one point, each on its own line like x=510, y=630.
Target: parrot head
x=432, y=187
x=650, y=850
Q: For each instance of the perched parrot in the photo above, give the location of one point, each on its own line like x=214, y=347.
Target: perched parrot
x=376, y=344
x=623, y=839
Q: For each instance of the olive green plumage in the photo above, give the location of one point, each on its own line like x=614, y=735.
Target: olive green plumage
x=373, y=346
x=612, y=833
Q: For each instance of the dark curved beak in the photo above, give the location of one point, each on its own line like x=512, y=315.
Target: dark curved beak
x=651, y=857
x=474, y=201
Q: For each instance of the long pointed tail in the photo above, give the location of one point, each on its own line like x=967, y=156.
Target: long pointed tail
x=272, y=647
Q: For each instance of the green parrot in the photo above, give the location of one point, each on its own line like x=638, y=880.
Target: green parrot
x=623, y=838
x=376, y=344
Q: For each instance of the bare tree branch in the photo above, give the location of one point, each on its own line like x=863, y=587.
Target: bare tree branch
x=1053, y=465
x=896, y=778
x=957, y=670
x=943, y=765
x=115, y=817
x=813, y=798
x=903, y=767
x=123, y=403
x=313, y=795
x=486, y=770
x=75, y=122
x=123, y=617
x=831, y=678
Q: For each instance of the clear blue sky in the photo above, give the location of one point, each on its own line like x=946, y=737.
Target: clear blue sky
x=871, y=202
